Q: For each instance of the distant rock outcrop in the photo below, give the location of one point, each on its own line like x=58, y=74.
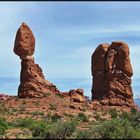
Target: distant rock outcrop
x=112, y=72
x=3, y=97
x=77, y=95
x=32, y=81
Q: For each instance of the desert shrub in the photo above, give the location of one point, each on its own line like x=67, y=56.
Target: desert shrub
x=133, y=111
x=22, y=109
x=23, y=122
x=60, y=96
x=4, y=110
x=2, y=130
x=47, y=94
x=83, y=109
x=47, y=117
x=113, y=113
x=133, y=117
x=3, y=126
x=61, y=130
x=125, y=115
x=37, y=113
x=116, y=128
x=38, y=129
x=71, y=116
x=55, y=117
x=52, y=107
x=135, y=120
x=84, y=134
x=136, y=134
x=124, y=126
x=98, y=117
x=14, y=110
x=82, y=117
x=36, y=103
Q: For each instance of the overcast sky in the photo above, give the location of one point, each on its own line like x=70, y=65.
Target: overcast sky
x=67, y=34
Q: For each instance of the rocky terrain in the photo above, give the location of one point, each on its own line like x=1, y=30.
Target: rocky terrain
x=38, y=98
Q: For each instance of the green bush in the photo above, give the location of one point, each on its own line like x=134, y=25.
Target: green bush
x=55, y=117
x=37, y=113
x=116, y=128
x=26, y=122
x=52, y=107
x=125, y=115
x=47, y=118
x=4, y=110
x=113, y=113
x=69, y=115
x=82, y=117
x=38, y=129
x=3, y=126
x=61, y=130
x=133, y=117
x=60, y=95
x=135, y=120
x=83, y=134
x=133, y=111
x=98, y=117
x=2, y=130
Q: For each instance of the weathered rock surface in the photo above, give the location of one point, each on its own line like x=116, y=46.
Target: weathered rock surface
x=112, y=72
x=77, y=95
x=24, y=42
x=99, y=86
x=3, y=96
x=32, y=81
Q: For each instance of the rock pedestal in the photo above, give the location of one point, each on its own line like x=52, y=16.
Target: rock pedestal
x=112, y=72
x=32, y=81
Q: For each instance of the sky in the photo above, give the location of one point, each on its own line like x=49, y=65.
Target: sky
x=67, y=34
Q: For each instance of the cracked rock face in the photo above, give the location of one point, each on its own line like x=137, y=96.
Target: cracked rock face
x=32, y=80
x=112, y=72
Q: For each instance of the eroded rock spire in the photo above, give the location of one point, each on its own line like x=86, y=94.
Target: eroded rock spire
x=112, y=72
x=32, y=81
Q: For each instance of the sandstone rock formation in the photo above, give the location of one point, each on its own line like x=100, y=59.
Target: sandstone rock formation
x=3, y=97
x=77, y=95
x=99, y=87
x=32, y=81
x=112, y=72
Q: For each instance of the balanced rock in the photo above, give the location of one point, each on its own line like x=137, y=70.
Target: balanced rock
x=32, y=80
x=112, y=72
